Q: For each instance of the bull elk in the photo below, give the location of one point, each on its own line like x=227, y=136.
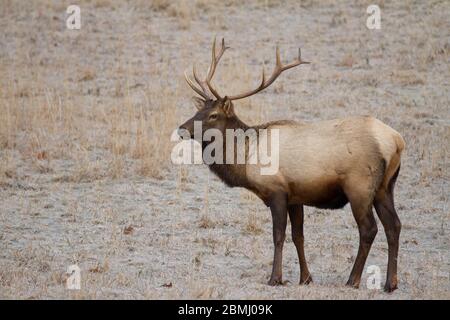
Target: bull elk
x=324, y=164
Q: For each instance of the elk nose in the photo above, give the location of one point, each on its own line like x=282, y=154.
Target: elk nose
x=182, y=130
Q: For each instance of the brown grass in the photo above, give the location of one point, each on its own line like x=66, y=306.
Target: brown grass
x=253, y=224
x=85, y=124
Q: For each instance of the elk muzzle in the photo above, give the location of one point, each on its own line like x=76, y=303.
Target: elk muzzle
x=186, y=130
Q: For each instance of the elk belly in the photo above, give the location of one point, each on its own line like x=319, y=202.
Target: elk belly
x=325, y=194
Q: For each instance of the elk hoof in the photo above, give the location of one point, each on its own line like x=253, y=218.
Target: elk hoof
x=275, y=282
x=390, y=287
x=350, y=284
x=306, y=280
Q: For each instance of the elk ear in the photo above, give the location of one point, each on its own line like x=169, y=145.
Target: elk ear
x=199, y=103
x=228, y=107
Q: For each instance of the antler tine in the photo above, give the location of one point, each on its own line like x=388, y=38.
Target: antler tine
x=200, y=83
x=277, y=57
x=263, y=80
x=297, y=62
x=279, y=68
x=222, y=49
x=206, y=84
x=213, y=60
x=212, y=68
x=193, y=86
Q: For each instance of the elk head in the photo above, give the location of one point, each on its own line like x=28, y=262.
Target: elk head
x=215, y=111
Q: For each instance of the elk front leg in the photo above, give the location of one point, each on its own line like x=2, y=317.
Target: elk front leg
x=296, y=215
x=278, y=208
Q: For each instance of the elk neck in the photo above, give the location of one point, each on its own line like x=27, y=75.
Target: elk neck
x=233, y=175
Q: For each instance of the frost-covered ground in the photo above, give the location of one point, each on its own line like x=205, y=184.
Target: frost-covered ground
x=86, y=117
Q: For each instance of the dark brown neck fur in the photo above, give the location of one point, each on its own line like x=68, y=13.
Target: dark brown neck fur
x=233, y=175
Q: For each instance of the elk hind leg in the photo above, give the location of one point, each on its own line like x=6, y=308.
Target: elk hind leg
x=361, y=200
x=384, y=206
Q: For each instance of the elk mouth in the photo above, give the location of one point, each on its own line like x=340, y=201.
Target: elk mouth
x=185, y=131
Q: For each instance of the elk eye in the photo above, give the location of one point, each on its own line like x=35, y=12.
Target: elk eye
x=213, y=117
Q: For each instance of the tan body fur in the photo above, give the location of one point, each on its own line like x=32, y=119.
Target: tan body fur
x=318, y=160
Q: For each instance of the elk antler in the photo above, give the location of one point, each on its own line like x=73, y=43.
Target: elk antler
x=201, y=92
x=215, y=58
x=279, y=68
x=211, y=70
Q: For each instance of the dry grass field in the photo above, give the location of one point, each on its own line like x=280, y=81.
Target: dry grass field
x=85, y=123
